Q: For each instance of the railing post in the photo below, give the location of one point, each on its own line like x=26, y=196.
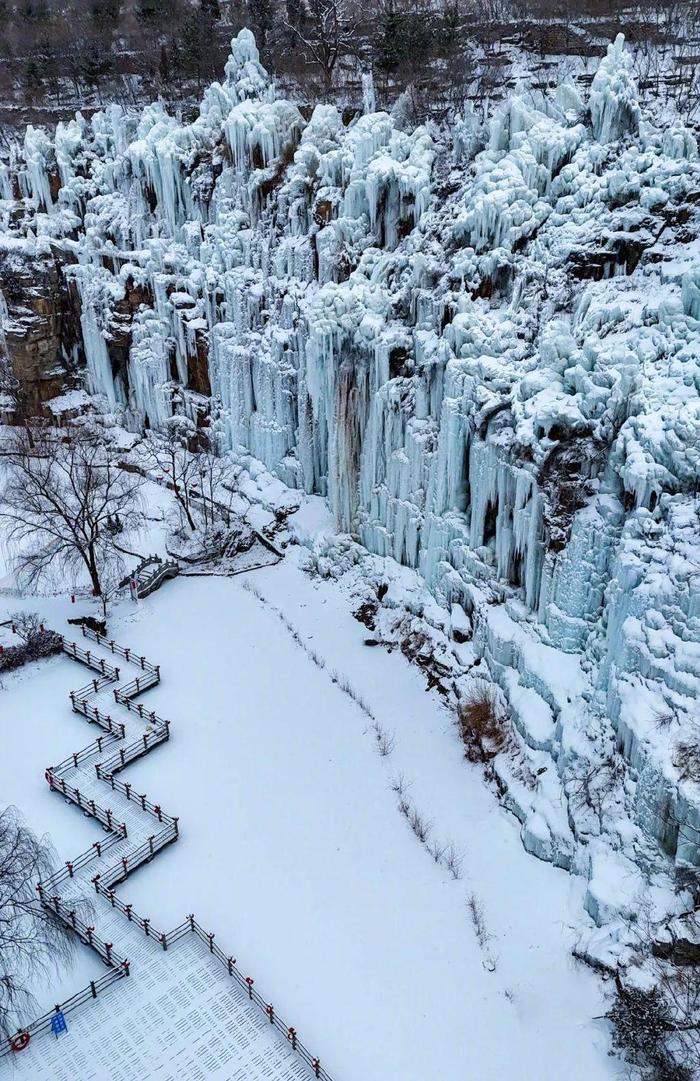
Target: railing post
x=145, y=926
x=127, y=909
x=150, y=845
x=191, y=919
x=270, y=1010
x=93, y=988
x=69, y=865
x=250, y=981
x=210, y=936
x=292, y=1037
x=177, y=828
x=108, y=951
x=316, y=1067
x=164, y=941
x=231, y=962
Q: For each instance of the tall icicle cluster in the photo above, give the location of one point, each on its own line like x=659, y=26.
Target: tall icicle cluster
x=480, y=346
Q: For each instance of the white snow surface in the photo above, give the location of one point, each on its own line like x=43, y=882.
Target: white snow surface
x=294, y=852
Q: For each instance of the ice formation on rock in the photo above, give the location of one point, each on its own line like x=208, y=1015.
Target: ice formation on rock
x=482, y=346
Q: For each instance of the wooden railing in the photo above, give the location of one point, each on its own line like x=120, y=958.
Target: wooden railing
x=104, y=881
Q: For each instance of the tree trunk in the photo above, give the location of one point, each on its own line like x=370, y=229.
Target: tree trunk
x=93, y=572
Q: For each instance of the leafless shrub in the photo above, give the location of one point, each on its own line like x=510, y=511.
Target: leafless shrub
x=687, y=758
x=37, y=642
x=483, y=724
x=347, y=688
x=399, y=784
x=596, y=785
x=404, y=807
x=26, y=624
x=385, y=740
x=33, y=940
x=437, y=851
x=420, y=826
x=453, y=861
x=476, y=912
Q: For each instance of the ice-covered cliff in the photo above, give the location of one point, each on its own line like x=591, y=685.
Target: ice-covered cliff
x=481, y=345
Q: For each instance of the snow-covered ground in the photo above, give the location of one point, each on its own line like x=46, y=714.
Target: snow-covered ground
x=294, y=852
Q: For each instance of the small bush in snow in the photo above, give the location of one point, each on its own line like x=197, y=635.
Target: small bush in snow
x=37, y=642
x=437, y=851
x=483, y=723
x=476, y=913
x=643, y=1026
x=420, y=826
x=400, y=785
x=453, y=862
x=687, y=759
x=385, y=740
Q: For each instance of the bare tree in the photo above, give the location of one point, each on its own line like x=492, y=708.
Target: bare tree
x=33, y=940
x=596, y=786
x=169, y=452
x=327, y=29
x=63, y=504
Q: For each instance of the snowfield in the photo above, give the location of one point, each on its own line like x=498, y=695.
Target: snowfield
x=294, y=852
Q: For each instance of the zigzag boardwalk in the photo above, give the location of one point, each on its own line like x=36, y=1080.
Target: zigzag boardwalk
x=183, y=1008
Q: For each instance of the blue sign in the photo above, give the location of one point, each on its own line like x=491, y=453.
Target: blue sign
x=58, y=1024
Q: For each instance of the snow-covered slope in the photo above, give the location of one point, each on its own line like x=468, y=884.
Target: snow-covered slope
x=481, y=345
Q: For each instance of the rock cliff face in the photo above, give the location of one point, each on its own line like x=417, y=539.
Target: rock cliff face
x=480, y=345
x=40, y=322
